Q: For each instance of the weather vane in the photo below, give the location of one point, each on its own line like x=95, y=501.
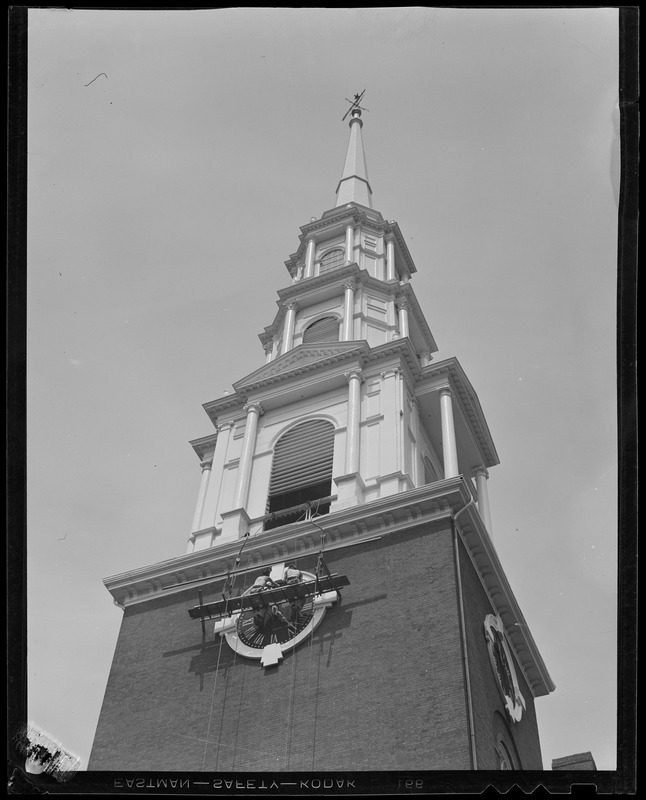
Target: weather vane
x=354, y=104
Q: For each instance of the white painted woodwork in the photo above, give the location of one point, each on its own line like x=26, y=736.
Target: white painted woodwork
x=482, y=476
x=201, y=497
x=449, y=446
x=248, y=446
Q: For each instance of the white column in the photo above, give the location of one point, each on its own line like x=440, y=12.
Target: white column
x=353, y=431
x=288, y=330
x=402, y=311
x=390, y=259
x=347, y=333
x=309, y=258
x=253, y=411
x=449, y=447
x=268, y=351
x=483, y=497
x=415, y=427
x=201, y=497
x=349, y=244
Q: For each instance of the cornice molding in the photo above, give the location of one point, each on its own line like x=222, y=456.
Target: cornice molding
x=399, y=348
x=214, y=408
x=344, y=527
x=433, y=505
x=205, y=446
x=449, y=373
x=484, y=558
x=352, y=213
x=309, y=358
x=302, y=359
x=344, y=215
x=308, y=285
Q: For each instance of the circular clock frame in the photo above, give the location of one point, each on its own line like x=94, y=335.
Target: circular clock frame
x=502, y=663
x=241, y=647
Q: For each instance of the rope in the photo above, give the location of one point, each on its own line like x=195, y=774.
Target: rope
x=310, y=648
x=230, y=579
x=227, y=591
x=235, y=658
x=290, y=710
x=208, y=727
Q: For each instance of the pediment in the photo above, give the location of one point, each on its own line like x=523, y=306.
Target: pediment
x=302, y=359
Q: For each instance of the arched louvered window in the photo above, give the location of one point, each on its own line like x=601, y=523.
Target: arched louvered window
x=331, y=260
x=323, y=330
x=301, y=473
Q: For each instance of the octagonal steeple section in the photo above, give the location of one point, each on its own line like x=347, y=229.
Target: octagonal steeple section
x=350, y=277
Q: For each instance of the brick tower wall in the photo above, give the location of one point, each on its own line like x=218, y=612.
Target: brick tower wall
x=379, y=686
x=490, y=717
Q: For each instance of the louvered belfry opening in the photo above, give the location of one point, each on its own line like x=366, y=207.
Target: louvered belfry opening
x=323, y=330
x=332, y=260
x=301, y=474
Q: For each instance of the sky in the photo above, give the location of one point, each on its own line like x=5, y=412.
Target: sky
x=173, y=157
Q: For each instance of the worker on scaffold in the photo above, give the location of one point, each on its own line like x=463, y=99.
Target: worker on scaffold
x=262, y=583
x=292, y=575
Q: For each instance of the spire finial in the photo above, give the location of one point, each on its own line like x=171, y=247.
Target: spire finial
x=354, y=186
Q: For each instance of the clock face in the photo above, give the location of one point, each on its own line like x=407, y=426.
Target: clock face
x=503, y=667
x=276, y=625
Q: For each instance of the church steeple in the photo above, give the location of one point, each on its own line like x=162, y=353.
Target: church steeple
x=349, y=442
x=354, y=186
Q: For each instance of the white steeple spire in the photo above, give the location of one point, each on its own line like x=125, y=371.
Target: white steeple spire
x=354, y=186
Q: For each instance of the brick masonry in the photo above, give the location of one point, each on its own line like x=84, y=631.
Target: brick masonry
x=490, y=717
x=380, y=685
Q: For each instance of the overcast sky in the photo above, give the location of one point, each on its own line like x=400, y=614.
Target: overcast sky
x=173, y=156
